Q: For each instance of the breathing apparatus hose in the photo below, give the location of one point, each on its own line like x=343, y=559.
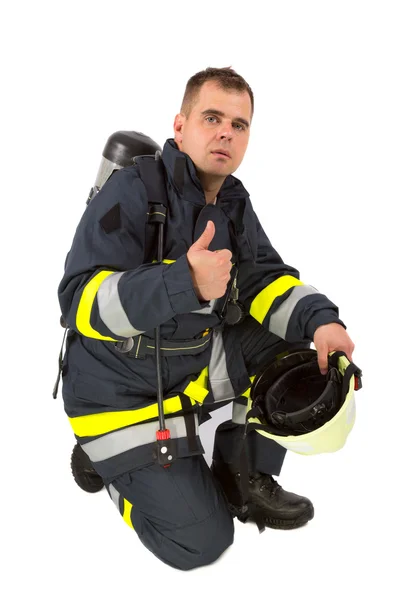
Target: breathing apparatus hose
x=164, y=445
x=157, y=338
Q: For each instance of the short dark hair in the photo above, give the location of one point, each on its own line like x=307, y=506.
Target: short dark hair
x=226, y=78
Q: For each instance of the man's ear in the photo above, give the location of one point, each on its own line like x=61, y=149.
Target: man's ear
x=179, y=123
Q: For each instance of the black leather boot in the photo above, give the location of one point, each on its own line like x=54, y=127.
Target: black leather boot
x=268, y=503
x=83, y=471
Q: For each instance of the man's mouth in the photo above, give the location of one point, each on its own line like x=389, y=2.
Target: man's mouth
x=221, y=153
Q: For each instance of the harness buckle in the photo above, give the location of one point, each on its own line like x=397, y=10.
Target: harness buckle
x=125, y=346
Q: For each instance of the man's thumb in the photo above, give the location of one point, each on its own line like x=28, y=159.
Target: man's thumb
x=323, y=359
x=206, y=237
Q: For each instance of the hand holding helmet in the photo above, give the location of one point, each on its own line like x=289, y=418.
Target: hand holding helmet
x=329, y=338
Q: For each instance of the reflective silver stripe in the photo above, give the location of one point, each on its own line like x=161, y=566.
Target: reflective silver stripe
x=110, y=308
x=207, y=310
x=114, y=495
x=279, y=320
x=239, y=413
x=119, y=441
x=218, y=376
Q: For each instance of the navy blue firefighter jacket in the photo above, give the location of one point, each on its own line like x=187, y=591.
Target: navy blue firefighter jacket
x=108, y=294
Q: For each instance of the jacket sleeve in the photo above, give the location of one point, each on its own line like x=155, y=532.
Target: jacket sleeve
x=273, y=294
x=106, y=292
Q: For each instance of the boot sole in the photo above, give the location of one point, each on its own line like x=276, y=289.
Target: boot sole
x=272, y=522
x=300, y=521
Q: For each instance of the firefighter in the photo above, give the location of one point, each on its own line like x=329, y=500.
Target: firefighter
x=113, y=296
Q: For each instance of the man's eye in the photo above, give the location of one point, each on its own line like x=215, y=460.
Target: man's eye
x=210, y=117
x=239, y=126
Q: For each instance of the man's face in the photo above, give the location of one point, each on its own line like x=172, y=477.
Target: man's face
x=219, y=121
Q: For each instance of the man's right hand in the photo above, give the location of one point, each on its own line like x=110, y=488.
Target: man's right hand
x=210, y=270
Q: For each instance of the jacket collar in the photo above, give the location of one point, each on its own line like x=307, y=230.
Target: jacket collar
x=182, y=175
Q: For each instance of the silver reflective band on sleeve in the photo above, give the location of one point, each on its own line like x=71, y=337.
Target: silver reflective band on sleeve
x=218, y=376
x=207, y=310
x=111, y=310
x=114, y=495
x=279, y=320
x=239, y=413
x=119, y=441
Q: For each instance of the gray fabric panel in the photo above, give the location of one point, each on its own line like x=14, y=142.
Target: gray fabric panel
x=114, y=495
x=219, y=379
x=111, y=311
x=279, y=320
x=239, y=413
x=205, y=311
x=119, y=441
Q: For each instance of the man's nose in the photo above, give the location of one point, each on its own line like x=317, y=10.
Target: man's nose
x=225, y=131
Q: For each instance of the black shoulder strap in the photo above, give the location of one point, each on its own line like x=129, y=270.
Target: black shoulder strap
x=152, y=173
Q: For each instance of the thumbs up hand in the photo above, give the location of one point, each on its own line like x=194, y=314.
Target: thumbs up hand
x=210, y=270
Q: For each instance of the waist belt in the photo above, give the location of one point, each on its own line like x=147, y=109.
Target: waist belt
x=141, y=346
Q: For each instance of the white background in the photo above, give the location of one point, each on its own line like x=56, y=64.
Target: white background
x=322, y=169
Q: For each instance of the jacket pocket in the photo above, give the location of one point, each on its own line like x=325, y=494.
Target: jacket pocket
x=106, y=393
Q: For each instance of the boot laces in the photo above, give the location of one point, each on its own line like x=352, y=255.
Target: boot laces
x=268, y=483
